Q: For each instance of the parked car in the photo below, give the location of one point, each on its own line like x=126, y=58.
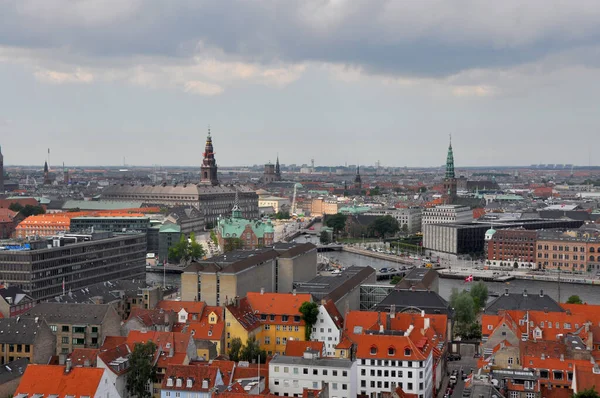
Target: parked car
x=453, y=380
x=454, y=357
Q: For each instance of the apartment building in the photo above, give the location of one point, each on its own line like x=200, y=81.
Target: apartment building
x=328, y=328
x=26, y=338
x=508, y=246
x=190, y=381
x=78, y=325
x=14, y=301
x=46, y=268
x=290, y=376
x=409, y=218
x=571, y=251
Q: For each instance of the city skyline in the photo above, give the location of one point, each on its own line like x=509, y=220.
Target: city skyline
x=338, y=81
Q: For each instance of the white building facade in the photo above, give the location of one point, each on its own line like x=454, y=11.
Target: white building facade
x=326, y=331
x=411, y=217
x=447, y=214
x=289, y=376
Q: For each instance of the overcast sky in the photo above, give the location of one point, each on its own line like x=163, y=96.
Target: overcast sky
x=340, y=81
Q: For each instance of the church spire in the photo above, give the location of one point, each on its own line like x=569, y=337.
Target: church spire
x=450, y=161
x=208, y=170
x=236, y=212
x=277, y=169
x=357, y=179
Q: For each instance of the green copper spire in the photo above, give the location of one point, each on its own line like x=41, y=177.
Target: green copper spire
x=450, y=162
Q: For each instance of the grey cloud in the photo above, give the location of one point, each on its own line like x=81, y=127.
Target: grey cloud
x=384, y=37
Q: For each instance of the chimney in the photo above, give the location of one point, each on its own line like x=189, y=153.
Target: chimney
x=323, y=301
x=562, y=357
x=68, y=365
x=568, y=312
x=62, y=358
x=262, y=291
x=422, y=313
x=546, y=310
x=294, y=291
x=237, y=301
x=393, y=311
x=524, y=292
x=542, y=293
x=86, y=363
x=381, y=329
x=426, y=323
x=506, y=292
x=543, y=356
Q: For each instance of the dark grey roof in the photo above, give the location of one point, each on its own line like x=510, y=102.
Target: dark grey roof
x=335, y=287
x=428, y=301
x=294, y=250
x=69, y=313
x=523, y=301
x=15, y=293
x=233, y=262
x=326, y=362
x=13, y=370
x=418, y=277
x=181, y=213
x=480, y=390
x=109, y=291
x=19, y=330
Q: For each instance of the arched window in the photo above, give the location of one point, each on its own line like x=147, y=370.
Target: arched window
x=391, y=351
x=592, y=250
x=592, y=258
x=407, y=352
x=373, y=350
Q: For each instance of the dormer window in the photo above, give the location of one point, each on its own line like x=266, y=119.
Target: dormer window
x=210, y=333
x=189, y=383
x=391, y=351
x=373, y=350
x=170, y=382
x=179, y=382
x=407, y=352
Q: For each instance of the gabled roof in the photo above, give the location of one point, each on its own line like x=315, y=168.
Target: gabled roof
x=191, y=307
x=79, y=356
x=197, y=374
x=151, y=318
x=244, y=314
x=14, y=293
x=52, y=379
x=166, y=343
x=203, y=329
x=20, y=330
x=277, y=303
x=521, y=301
x=69, y=313
x=297, y=348
x=586, y=378
x=115, y=358
x=381, y=344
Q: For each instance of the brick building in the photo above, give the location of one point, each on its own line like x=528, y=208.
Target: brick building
x=511, y=245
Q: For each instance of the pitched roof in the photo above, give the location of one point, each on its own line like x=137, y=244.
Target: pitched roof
x=295, y=250
x=113, y=341
x=520, y=301
x=244, y=314
x=383, y=346
x=428, y=301
x=20, y=330
x=16, y=294
x=13, y=370
x=226, y=368
x=166, y=343
x=586, y=378
x=334, y=313
x=52, y=379
x=114, y=358
x=197, y=374
x=70, y=313
x=80, y=355
x=277, y=303
x=191, y=307
x=151, y=318
x=297, y=348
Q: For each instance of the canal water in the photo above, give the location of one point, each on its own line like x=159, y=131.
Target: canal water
x=588, y=293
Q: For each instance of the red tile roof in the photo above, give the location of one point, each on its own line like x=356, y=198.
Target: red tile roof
x=381, y=344
x=197, y=374
x=226, y=368
x=113, y=354
x=297, y=348
x=244, y=314
x=334, y=313
x=166, y=342
x=52, y=379
x=113, y=341
x=151, y=317
x=80, y=355
x=191, y=307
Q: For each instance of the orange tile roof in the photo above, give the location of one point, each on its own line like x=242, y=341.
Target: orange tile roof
x=150, y=317
x=277, y=303
x=297, y=348
x=226, y=368
x=113, y=353
x=365, y=319
x=586, y=378
x=52, y=379
x=165, y=341
x=244, y=314
x=80, y=355
x=245, y=372
x=113, y=341
x=191, y=307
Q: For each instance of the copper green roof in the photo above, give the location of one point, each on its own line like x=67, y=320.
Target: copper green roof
x=166, y=228
x=233, y=227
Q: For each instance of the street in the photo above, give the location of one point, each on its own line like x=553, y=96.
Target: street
x=467, y=362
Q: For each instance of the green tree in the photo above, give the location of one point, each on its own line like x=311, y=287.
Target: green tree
x=282, y=215
x=404, y=228
x=395, y=280
x=195, y=249
x=214, y=238
x=385, y=226
x=310, y=312
x=324, y=238
x=142, y=369
x=15, y=206
x=589, y=393
x=186, y=250
x=28, y=210
x=251, y=351
x=479, y=292
x=464, y=308
x=574, y=299
x=232, y=244
x=337, y=222
x=235, y=349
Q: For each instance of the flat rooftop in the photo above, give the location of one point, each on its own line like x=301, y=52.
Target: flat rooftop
x=335, y=286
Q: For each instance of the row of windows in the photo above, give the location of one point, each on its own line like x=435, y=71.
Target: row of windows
x=386, y=385
x=18, y=347
x=315, y=372
x=283, y=328
x=389, y=373
x=386, y=362
x=284, y=318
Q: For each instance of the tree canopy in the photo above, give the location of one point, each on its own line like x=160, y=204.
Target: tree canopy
x=574, y=299
x=27, y=210
x=463, y=305
x=251, y=351
x=231, y=244
x=186, y=250
x=385, y=226
x=310, y=312
x=589, y=393
x=282, y=215
x=479, y=292
x=337, y=222
x=324, y=238
x=235, y=349
x=142, y=369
